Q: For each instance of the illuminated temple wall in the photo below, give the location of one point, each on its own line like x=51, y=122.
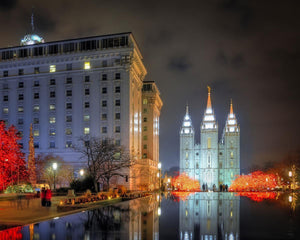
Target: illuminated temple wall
x=212, y=161
x=209, y=216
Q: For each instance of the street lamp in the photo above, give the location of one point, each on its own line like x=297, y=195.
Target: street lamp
x=81, y=172
x=54, y=166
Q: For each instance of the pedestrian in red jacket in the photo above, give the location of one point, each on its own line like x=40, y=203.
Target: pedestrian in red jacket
x=48, y=196
x=43, y=197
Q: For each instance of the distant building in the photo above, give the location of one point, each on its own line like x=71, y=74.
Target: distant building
x=212, y=162
x=67, y=89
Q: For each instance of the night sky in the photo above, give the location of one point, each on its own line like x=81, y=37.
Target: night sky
x=245, y=50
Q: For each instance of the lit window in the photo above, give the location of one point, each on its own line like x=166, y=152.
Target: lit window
x=231, y=163
x=20, y=109
x=145, y=101
x=52, y=120
x=52, y=68
x=52, y=107
x=52, y=132
x=86, y=130
x=209, y=142
x=86, y=117
x=231, y=154
x=68, y=131
x=36, y=108
x=5, y=110
x=68, y=144
x=36, y=70
x=87, y=65
x=36, y=133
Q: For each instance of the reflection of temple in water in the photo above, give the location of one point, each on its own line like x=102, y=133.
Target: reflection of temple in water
x=210, y=216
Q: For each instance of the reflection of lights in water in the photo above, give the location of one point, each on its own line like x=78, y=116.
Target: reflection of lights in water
x=159, y=211
x=258, y=196
x=290, y=198
x=157, y=197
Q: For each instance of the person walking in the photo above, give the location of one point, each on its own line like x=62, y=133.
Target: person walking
x=48, y=196
x=43, y=197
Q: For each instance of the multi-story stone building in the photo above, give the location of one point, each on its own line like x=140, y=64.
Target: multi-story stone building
x=72, y=88
x=211, y=162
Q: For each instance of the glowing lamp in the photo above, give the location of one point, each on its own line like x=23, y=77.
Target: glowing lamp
x=81, y=172
x=290, y=174
x=54, y=165
x=159, y=165
x=290, y=198
x=159, y=211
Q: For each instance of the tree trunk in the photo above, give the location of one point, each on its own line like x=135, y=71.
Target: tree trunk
x=107, y=183
x=96, y=186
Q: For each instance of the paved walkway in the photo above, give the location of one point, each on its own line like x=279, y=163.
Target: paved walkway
x=25, y=211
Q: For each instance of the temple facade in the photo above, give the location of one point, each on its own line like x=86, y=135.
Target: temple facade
x=212, y=161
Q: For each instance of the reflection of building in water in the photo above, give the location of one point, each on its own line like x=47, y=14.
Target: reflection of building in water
x=210, y=216
x=144, y=219
x=211, y=162
x=136, y=219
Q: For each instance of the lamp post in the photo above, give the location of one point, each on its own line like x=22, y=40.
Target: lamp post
x=54, y=166
x=159, y=174
x=81, y=172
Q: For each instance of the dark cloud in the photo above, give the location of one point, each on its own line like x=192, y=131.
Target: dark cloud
x=179, y=64
x=245, y=50
x=8, y=4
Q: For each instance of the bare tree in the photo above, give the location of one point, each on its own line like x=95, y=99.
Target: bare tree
x=105, y=159
x=45, y=174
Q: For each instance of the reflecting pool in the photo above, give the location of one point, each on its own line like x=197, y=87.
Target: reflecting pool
x=203, y=216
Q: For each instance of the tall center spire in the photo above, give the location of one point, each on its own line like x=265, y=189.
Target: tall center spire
x=209, y=118
x=208, y=107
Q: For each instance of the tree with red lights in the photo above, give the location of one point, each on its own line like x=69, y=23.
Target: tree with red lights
x=256, y=181
x=184, y=183
x=12, y=163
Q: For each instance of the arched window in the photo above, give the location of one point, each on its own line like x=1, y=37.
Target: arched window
x=231, y=154
x=209, y=143
x=145, y=101
x=209, y=160
x=186, y=155
x=197, y=165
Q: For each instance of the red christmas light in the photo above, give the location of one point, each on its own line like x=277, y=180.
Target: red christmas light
x=185, y=183
x=12, y=163
x=258, y=196
x=11, y=234
x=256, y=181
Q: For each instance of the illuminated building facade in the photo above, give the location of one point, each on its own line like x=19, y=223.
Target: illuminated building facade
x=71, y=88
x=210, y=216
x=211, y=162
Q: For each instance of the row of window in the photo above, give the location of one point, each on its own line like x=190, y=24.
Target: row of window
x=52, y=94
x=59, y=48
x=52, y=69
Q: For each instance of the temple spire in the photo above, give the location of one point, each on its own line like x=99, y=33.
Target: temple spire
x=208, y=98
x=231, y=108
x=187, y=109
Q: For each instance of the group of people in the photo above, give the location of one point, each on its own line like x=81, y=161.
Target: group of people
x=46, y=196
x=223, y=188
